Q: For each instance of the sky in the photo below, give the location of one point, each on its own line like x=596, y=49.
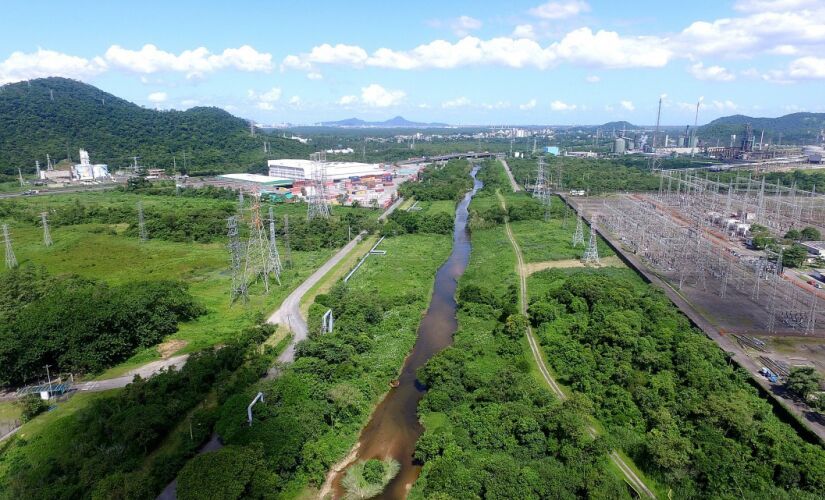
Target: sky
x=461, y=62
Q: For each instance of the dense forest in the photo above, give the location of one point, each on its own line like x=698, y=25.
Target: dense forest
x=449, y=182
x=799, y=128
x=132, y=443
x=114, y=130
x=80, y=325
x=593, y=175
x=668, y=395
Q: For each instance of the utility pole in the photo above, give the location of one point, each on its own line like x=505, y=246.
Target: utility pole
x=274, y=256
x=286, y=241
x=694, y=140
x=37, y=168
x=20, y=176
x=49, y=378
x=578, y=236
x=656, y=132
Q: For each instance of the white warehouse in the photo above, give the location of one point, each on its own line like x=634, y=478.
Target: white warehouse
x=336, y=170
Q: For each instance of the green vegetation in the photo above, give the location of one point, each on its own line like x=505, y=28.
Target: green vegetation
x=593, y=175
x=105, y=448
x=231, y=473
x=313, y=412
x=367, y=479
x=114, y=130
x=666, y=394
x=31, y=406
x=81, y=325
x=491, y=429
x=449, y=182
x=793, y=128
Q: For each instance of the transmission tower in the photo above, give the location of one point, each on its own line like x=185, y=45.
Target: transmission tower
x=591, y=255
x=578, y=236
x=240, y=200
x=11, y=260
x=318, y=206
x=540, y=190
x=256, y=264
x=238, y=285
x=141, y=223
x=47, y=235
x=274, y=257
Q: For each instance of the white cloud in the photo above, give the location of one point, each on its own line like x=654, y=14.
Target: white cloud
x=772, y=5
x=524, y=31
x=347, y=100
x=608, y=108
x=266, y=106
x=528, y=105
x=314, y=75
x=807, y=68
x=295, y=101
x=715, y=73
x=194, y=63
x=784, y=50
x=271, y=95
x=562, y=106
x=157, y=97
x=458, y=102
x=592, y=79
x=21, y=66
x=463, y=25
x=496, y=105
x=627, y=105
x=582, y=46
x=188, y=103
x=560, y=10
x=376, y=96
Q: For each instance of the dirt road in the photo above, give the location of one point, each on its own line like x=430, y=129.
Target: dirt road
x=632, y=478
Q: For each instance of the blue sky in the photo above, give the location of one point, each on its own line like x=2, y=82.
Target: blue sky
x=520, y=62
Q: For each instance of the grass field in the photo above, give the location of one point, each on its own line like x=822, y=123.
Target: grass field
x=438, y=206
x=101, y=251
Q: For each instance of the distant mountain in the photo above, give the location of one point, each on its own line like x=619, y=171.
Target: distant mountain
x=397, y=122
x=794, y=128
x=57, y=116
x=619, y=126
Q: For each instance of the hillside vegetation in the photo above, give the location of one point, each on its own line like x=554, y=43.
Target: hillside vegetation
x=795, y=128
x=113, y=130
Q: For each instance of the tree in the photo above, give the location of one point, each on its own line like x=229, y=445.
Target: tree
x=803, y=381
x=31, y=406
x=793, y=234
x=794, y=256
x=810, y=234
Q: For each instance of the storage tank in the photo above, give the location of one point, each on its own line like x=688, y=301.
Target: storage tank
x=618, y=146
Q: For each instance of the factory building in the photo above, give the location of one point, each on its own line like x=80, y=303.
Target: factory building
x=301, y=170
x=85, y=171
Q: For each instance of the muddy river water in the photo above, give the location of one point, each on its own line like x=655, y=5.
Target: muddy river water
x=393, y=428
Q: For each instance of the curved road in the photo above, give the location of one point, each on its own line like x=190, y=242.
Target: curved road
x=630, y=476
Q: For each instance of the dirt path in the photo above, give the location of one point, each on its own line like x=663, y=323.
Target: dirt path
x=632, y=478
x=513, y=184
x=534, y=267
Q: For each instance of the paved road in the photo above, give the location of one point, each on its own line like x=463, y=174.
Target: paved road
x=144, y=371
x=289, y=313
x=632, y=478
x=513, y=183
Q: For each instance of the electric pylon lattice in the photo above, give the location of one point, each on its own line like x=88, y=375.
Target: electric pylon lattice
x=274, y=256
x=239, y=288
x=47, y=235
x=591, y=255
x=11, y=260
x=578, y=236
x=318, y=206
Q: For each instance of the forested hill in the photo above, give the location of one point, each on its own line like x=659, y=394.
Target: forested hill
x=800, y=128
x=33, y=123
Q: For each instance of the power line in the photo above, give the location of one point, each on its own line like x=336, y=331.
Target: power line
x=141, y=223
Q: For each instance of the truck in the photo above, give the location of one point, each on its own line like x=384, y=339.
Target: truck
x=769, y=375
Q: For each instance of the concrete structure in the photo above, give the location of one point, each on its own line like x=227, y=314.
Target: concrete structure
x=336, y=170
x=86, y=171
x=553, y=150
x=256, y=180
x=815, y=248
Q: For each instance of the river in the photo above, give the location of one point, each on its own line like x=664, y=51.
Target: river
x=393, y=428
